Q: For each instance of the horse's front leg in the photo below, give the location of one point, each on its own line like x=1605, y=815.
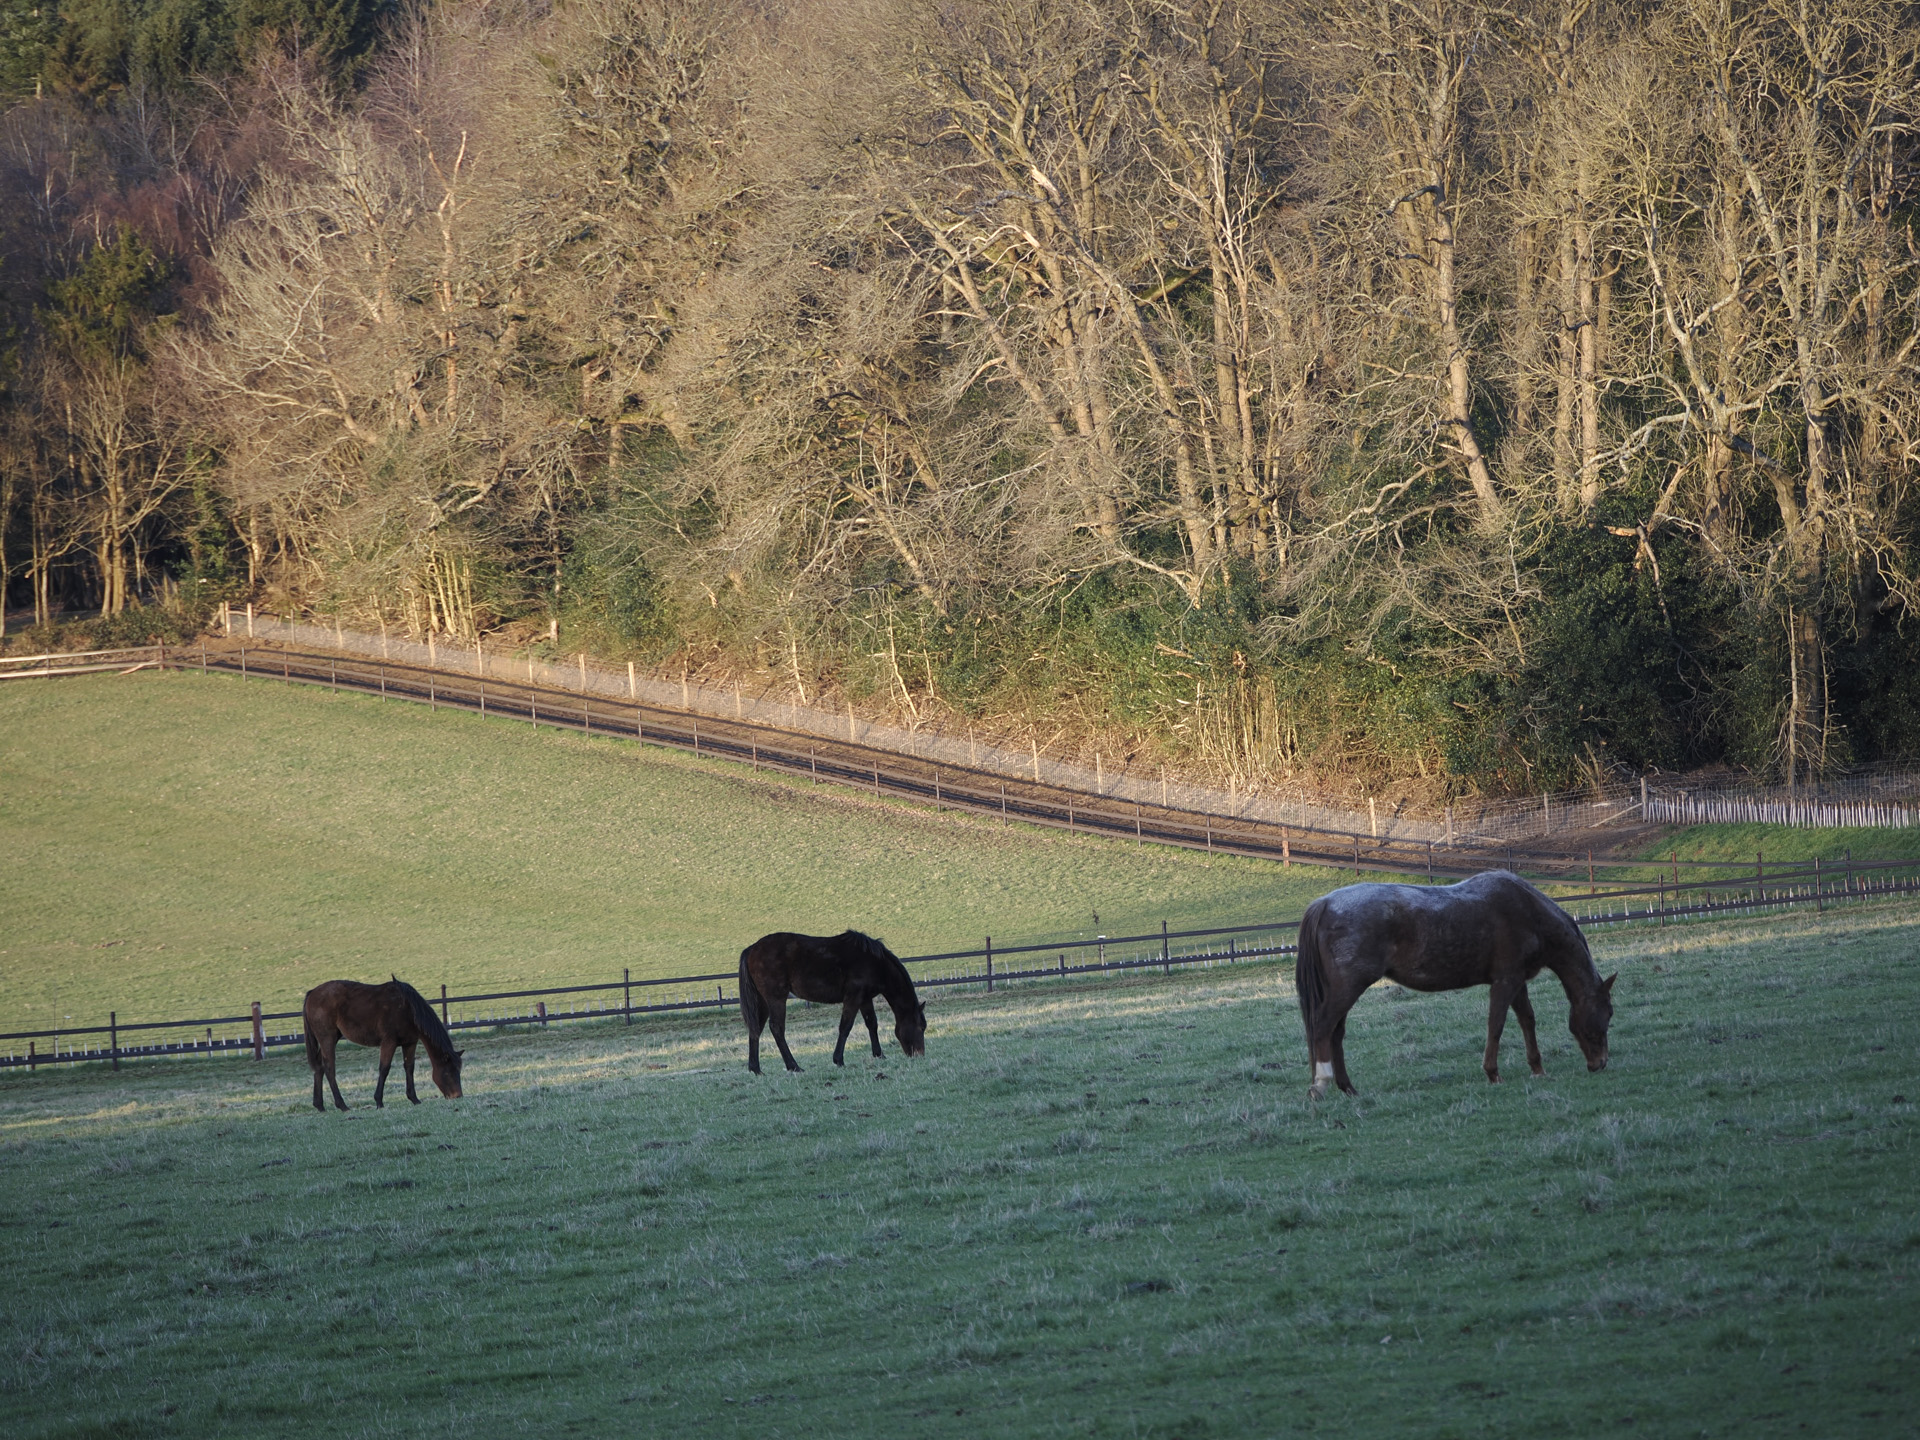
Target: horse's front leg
x=873, y=1027
x=847, y=1013
x=1523, y=1007
x=777, y=1022
x=1497, y=1005
x=386, y=1064
x=406, y=1052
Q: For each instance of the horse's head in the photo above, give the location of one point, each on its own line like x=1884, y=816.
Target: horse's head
x=1589, y=1018
x=910, y=1028
x=446, y=1072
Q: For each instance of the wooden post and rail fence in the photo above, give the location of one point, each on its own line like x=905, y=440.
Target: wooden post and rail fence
x=1726, y=888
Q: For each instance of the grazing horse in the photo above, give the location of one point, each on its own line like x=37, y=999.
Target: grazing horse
x=851, y=968
x=1493, y=929
x=391, y=1015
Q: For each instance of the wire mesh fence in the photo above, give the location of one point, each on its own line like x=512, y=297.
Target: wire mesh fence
x=1883, y=796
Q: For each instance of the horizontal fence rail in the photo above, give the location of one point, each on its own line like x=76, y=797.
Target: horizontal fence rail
x=1884, y=796
x=1663, y=900
x=884, y=774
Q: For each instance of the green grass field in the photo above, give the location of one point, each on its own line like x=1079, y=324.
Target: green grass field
x=179, y=845
x=1102, y=1209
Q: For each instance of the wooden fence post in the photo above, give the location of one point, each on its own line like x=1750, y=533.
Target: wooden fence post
x=113, y=1033
x=443, y=1005
x=1166, y=960
x=259, y=1035
x=1819, y=892
x=989, y=963
x=626, y=991
x=540, y=1010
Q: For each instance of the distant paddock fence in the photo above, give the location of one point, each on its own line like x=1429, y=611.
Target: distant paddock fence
x=467, y=670
x=573, y=697
x=1720, y=888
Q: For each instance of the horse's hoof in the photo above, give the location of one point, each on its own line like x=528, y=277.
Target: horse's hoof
x=1492, y=1078
x=1316, y=1092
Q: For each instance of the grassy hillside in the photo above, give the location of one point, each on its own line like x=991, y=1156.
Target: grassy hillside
x=1102, y=1210
x=1782, y=844
x=178, y=844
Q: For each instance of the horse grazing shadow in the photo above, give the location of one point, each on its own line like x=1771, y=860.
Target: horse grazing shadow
x=850, y=968
x=394, y=1015
x=1493, y=929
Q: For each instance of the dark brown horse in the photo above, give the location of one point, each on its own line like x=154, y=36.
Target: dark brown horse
x=1494, y=929
x=394, y=1015
x=851, y=968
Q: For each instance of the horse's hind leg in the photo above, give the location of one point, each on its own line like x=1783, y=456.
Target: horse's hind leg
x=386, y=1064
x=873, y=1027
x=777, y=1022
x=1338, y=1045
x=1326, y=1050
x=1523, y=1007
x=406, y=1054
x=327, y=1045
x=754, y=1027
x=1501, y=1000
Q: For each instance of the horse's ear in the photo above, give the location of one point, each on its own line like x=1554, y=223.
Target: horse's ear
x=1608, y=987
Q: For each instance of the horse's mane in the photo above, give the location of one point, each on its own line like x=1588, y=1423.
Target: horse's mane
x=889, y=963
x=431, y=1030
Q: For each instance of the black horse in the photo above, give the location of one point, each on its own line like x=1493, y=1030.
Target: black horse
x=1493, y=929
x=851, y=968
x=392, y=1016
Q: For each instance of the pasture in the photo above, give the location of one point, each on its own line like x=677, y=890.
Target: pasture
x=1097, y=1209
x=180, y=845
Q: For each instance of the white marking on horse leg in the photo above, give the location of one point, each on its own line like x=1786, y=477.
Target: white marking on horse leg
x=1323, y=1071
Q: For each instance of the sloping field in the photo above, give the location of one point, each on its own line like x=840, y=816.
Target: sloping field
x=177, y=844
x=1100, y=1210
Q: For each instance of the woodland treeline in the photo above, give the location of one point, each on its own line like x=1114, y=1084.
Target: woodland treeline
x=1372, y=392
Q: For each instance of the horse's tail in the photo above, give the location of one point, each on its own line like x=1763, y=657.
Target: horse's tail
x=313, y=1040
x=752, y=1008
x=1309, y=981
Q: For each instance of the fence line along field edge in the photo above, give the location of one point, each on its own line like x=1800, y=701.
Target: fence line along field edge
x=1818, y=883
